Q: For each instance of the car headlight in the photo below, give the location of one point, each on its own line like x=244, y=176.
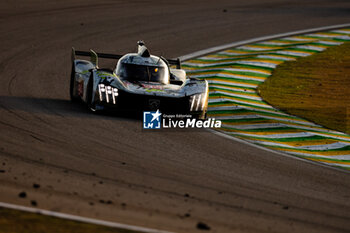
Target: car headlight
x=197, y=102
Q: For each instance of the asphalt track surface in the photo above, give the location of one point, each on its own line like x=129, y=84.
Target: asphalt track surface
x=107, y=167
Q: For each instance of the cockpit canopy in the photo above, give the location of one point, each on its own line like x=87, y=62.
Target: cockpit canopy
x=134, y=67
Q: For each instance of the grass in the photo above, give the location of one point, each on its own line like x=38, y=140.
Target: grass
x=316, y=88
x=14, y=221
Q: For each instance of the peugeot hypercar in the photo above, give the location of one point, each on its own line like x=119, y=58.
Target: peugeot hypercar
x=140, y=81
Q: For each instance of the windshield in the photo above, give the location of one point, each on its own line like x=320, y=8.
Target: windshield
x=134, y=72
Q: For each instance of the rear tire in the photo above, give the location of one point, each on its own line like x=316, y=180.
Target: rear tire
x=72, y=88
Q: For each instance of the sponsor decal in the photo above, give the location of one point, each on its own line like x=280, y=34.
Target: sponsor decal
x=149, y=86
x=154, y=90
x=157, y=120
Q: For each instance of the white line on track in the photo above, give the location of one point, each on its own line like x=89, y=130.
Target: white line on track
x=227, y=136
x=254, y=40
x=80, y=219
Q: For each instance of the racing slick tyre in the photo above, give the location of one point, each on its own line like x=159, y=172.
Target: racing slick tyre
x=201, y=115
x=72, y=87
x=91, y=104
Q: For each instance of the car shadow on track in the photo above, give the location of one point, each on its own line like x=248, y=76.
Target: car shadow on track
x=61, y=107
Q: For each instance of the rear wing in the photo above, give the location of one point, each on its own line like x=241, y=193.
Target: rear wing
x=94, y=57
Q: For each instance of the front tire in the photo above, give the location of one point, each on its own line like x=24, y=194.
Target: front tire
x=91, y=104
x=200, y=115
